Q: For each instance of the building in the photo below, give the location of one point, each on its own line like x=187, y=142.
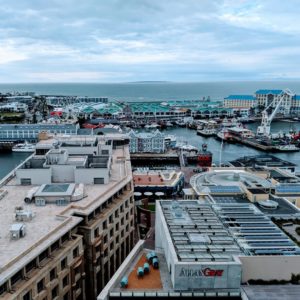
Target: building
x=169, y=182
x=66, y=219
x=143, y=142
x=240, y=101
x=272, y=97
x=212, y=247
x=30, y=132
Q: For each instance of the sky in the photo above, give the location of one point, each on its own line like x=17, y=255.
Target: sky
x=148, y=40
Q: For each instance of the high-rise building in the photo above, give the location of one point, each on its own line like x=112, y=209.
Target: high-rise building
x=66, y=219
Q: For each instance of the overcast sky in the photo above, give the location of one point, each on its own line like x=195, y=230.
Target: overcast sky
x=140, y=40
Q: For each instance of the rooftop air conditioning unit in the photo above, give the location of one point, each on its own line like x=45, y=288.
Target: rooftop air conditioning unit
x=17, y=231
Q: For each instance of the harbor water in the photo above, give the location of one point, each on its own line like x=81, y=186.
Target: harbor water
x=225, y=152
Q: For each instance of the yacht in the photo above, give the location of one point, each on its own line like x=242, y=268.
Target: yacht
x=24, y=147
x=287, y=148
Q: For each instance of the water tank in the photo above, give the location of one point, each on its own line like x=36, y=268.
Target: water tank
x=155, y=263
x=146, y=268
x=149, y=257
x=124, y=282
x=140, y=272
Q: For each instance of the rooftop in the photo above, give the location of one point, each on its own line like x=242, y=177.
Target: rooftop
x=254, y=232
x=240, y=97
x=261, y=160
x=51, y=221
x=266, y=92
x=197, y=233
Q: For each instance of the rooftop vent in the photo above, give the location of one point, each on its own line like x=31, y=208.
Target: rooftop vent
x=17, y=231
x=23, y=215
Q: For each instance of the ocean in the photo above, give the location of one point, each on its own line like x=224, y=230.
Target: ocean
x=152, y=91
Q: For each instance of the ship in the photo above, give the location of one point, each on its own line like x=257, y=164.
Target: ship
x=24, y=147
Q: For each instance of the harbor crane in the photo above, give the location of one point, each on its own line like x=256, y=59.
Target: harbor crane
x=265, y=127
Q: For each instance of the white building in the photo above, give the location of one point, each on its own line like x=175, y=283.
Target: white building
x=146, y=142
x=240, y=101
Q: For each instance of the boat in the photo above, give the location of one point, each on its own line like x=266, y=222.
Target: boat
x=206, y=131
x=180, y=123
x=241, y=132
x=224, y=135
x=287, y=148
x=169, y=124
x=23, y=147
x=152, y=126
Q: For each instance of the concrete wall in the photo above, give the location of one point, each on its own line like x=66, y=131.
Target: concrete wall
x=163, y=241
x=269, y=267
x=38, y=176
x=87, y=176
x=63, y=173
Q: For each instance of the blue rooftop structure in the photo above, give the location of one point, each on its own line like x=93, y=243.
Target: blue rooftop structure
x=297, y=97
x=267, y=92
x=240, y=97
x=225, y=189
x=288, y=189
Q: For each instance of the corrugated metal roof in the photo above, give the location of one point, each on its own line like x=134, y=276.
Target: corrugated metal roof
x=240, y=97
x=266, y=92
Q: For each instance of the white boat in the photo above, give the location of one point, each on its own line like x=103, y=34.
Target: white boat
x=287, y=148
x=206, y=131
x=24, y=147
x=241, y=132
x=169, y=124
x=152, y=126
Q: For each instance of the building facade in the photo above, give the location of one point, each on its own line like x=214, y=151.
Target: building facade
x=64, y=238
x=240, y=101
x=146, y=142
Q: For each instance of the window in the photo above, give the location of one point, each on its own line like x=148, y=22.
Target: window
x=43, y=255
x=65, y=281
x=116, y=214
x=54, y=292
x=104, y=225
x=3, y=288
x=111, y=219
x=127, y=216
x=27, y=296
x=76, y=252
x=96, y=232
x=41, y=285
x=126, y=203
x=122, y=221
x=117, y=226
x=54, y=246
x=30, y=266
x=25, y=181
x=18, y=276
x=117, y=240
x=111, y=247
x=99, y=180
x=65, y=237
x=63, y=263
x=52, y=274
x=122, y=233
x=66, y=296
x=105, y=239
x=111, y=233
x=105, y=152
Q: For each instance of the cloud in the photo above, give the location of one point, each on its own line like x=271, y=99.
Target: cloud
x=136, y=40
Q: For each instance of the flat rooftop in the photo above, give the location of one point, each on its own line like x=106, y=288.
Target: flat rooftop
x=159, y=178
x=254, y=232
x=197, y=233
x=51, y=221
x=261, y=160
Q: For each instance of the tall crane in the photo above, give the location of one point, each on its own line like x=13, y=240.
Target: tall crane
x=265, y=127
